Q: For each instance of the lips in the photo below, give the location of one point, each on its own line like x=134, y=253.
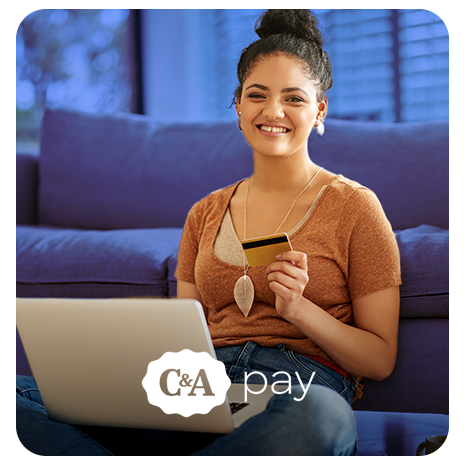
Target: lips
x=273, y=129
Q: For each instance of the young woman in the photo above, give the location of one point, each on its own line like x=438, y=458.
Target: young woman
x=330, y=306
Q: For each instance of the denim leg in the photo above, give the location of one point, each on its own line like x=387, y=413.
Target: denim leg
x=45, y=437
x=249, y=358
x=322, y=424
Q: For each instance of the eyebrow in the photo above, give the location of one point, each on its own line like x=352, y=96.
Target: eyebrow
x=286, y=90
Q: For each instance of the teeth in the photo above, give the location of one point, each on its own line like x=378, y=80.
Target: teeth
x=273, y=129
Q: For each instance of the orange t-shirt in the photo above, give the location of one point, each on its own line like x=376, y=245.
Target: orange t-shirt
x=351, y=250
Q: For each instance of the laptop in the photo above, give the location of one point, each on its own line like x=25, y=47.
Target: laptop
x=89, y=357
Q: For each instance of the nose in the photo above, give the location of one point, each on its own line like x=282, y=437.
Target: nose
x=273, y=110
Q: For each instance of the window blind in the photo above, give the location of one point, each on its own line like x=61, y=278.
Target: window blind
x=226, y=34
x=424, y=65
x=360, y=47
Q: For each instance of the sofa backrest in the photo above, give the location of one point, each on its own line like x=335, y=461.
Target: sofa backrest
x=405, y=164
x=128, y=171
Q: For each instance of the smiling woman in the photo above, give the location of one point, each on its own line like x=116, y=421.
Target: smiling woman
x=334, y=298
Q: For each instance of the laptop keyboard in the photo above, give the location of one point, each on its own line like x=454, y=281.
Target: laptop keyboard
x=234, y=407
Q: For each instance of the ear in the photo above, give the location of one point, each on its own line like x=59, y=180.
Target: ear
x=237, y=105
x=322, y=107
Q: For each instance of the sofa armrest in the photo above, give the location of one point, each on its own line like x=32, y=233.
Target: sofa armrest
x=26, y=188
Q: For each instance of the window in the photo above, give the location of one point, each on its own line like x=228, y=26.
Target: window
x=388, y=65
x=233, y=31
x=74, y=59
x=360, y=45
x=424, y=65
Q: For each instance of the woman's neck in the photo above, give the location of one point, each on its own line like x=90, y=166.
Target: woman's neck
x=280, y=175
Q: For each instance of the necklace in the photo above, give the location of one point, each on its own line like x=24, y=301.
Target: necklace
x=244, y=291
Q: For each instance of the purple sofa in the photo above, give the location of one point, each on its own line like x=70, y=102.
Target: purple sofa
x=101, y=209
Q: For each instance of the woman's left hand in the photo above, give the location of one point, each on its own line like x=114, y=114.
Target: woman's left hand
x=288, y=277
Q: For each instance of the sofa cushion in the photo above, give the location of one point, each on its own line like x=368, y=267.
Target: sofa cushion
x=98, y=263
x=424, y=254
x=127, y=171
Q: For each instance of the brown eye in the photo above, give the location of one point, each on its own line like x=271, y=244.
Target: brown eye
x=295, y=100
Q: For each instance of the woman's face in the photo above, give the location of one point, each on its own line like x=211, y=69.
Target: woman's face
x=278, y=107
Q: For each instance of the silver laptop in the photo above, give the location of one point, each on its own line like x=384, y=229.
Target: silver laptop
x=89, y=357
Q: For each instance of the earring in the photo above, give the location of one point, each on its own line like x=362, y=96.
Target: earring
x=320, y=129
x=239, y=121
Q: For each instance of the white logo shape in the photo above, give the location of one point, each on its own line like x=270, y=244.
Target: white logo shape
x=186, y=383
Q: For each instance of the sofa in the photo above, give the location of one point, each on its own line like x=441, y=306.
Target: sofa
x=100, y=213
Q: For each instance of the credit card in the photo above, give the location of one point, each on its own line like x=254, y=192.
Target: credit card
x=262, y=251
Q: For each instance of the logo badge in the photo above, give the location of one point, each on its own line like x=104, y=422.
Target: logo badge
x=186, y=383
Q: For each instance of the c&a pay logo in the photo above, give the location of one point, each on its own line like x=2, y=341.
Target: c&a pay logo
x=186, y=383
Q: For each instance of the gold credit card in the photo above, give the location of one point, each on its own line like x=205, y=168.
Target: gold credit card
x=262, y=251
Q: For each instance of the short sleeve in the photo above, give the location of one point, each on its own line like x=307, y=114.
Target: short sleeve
x=373, y=256
x=188, y=248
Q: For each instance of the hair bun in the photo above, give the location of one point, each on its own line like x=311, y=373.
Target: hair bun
x=299, y=23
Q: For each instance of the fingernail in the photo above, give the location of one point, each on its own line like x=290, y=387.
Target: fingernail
x=279, y=256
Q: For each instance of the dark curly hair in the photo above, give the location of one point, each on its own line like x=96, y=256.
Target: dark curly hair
x=296, y=33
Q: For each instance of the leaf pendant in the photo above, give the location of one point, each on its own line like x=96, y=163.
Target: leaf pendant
x=244, y=294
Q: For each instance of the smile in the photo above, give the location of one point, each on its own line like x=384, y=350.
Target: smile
x=273, y=129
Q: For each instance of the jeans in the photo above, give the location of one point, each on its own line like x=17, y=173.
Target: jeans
x=321, y=424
